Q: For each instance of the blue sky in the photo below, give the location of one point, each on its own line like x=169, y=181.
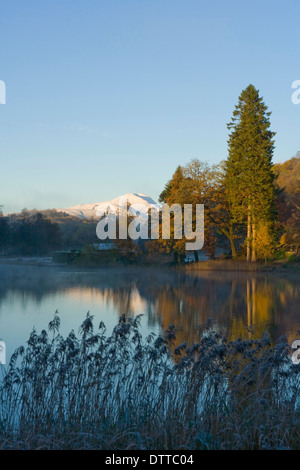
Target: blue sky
x=106, y=97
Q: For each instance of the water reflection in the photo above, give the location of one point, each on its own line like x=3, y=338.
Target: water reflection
x=244, y=304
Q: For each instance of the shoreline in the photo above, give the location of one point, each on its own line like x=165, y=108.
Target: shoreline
x=216, y=265
x=243, y=266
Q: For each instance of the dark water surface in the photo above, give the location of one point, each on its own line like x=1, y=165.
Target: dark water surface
x=244, y=304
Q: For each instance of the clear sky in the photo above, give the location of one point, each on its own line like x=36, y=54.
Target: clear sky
x=106, y=97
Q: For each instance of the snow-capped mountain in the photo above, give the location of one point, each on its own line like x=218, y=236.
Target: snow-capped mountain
x=88, y=211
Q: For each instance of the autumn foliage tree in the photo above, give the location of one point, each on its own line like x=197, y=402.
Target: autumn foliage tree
x=194, y=183
x=173, y=193
x=288, y=201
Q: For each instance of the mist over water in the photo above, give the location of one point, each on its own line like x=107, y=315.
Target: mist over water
x=243, y=304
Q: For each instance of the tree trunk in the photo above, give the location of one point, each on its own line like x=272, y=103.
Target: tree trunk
x=253, y=259
x=232, y=243
x=196, y=255
x=248, y=236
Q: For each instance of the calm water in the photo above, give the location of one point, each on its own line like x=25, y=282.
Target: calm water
x=243, y=304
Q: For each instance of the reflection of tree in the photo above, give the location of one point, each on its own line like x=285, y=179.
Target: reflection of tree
x=259, y=300
x=125, y=300
x=187, y=306
x=270, y=305
x=244, y=304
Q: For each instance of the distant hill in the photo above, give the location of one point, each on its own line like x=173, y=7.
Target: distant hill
x=288, y=180
x=90, y=211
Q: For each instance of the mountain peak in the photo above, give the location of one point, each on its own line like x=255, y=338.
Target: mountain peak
x=89, y=211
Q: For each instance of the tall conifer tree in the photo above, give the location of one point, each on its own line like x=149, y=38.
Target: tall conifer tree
x=250, y=191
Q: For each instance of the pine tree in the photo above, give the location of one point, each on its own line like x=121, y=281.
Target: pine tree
x=249, y=179
x=172, y=189
x=173, y=194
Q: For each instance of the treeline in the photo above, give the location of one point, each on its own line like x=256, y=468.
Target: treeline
x=28, y=234
x=288, y=204
x=252, y=207
x=75, y=233
x=42, y=232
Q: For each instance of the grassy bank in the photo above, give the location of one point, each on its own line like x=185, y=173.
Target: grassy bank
x=239, y=265
x=125, y=392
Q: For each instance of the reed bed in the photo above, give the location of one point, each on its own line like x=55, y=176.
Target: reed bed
x=122, y=391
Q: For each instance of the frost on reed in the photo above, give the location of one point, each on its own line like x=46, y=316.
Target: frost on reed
x=125, y=392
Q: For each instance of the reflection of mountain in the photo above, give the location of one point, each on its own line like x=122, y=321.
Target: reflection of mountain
x=245, y=304
x=126, y=301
